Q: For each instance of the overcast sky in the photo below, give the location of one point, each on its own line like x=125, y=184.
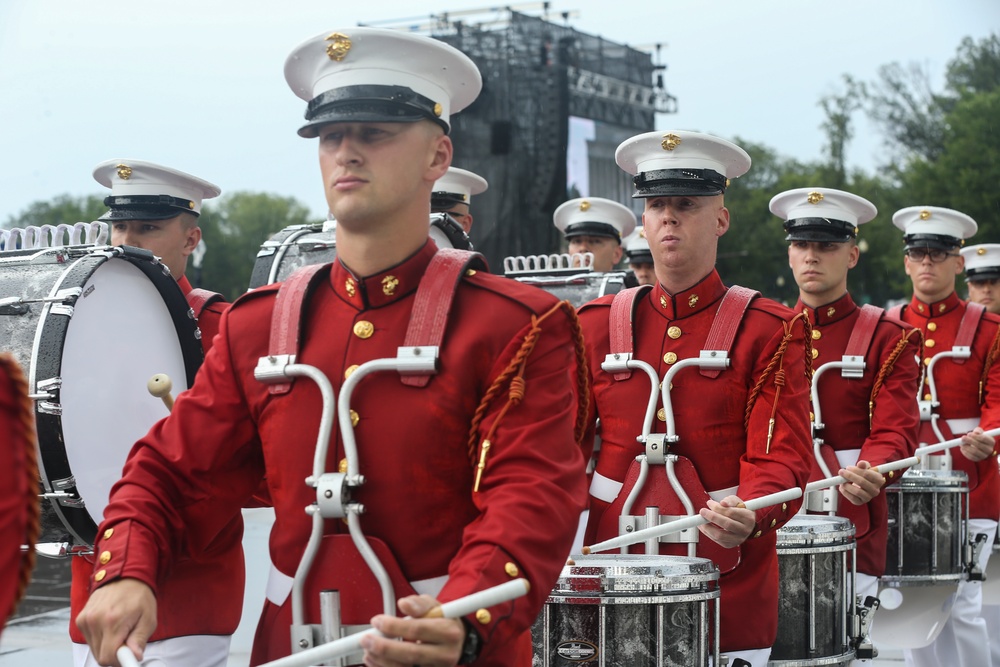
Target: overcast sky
x=198, y=84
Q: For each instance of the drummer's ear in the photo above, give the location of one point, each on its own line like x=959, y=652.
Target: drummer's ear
x=192, y=235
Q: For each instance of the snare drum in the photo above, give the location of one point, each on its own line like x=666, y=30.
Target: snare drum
x=816, y=567
x=928, y=511
x=635, y=610
x=303, y=245
x=90, y=325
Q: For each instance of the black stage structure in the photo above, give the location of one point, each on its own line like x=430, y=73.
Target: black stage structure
x=539, y=78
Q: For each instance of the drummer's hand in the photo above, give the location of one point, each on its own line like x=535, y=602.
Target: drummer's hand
x=729, y=524
x=426, y=641
x=976, y=446
x=122, y=612
x=863, y=482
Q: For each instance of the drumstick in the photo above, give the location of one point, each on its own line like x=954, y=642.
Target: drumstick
x=684, y=523
x=455, y=609
x=126, y=658
x=159, y=386
x=948, y=444
x=837, y=480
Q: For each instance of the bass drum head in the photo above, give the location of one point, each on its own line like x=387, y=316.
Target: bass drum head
x=120, y=335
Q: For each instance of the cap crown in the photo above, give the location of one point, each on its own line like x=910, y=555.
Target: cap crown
x=594, y=215
x=457, y=186
x=145, y=190
x=678, y=162
x=821, y=214
x=982, y=260
x=637, y=247
x=933, y=225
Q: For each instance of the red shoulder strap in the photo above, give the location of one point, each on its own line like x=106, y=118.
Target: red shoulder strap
x=864, y=331
x=286, y=318
x=620, y=323
x=896, y=312
x=967, y=328
x=727, y=321
x=199, y=299
x=432, y=304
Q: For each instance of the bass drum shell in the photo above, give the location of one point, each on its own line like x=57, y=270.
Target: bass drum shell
x=304, y=245
x=93, y=324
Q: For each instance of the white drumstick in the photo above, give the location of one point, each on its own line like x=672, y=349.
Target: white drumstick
x=948, y=444
x=126, y=658
x=455, y=609
x=159, y=386
x=837, y=480
x=688, y=522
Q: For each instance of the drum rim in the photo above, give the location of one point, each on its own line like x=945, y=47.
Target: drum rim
x=54, y=461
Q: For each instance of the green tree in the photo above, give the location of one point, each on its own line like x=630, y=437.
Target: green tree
x=64, y=209
x=233, y=229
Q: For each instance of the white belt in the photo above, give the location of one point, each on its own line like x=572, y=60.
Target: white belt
x=279, y=586
x=960, y=427
x=607, y=489
x=847, y=457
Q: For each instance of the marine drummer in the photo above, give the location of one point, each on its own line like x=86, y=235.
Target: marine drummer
x=458, y=492
x=453, y=194
x=156, y=208
x=968, y=393
x=595, y=225
x=869, y=419
x=743, y=433
x=982, y=275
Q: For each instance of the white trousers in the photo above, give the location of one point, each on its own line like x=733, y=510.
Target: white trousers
x=991, y=614
x=756, y=657
x=190, y=651
x=964, y=640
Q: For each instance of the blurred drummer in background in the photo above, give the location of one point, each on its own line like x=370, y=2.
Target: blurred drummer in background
x=982, y=275
x=743, y=432
x=453, y=193
x=640, y=258
x=871, y=419
x=156, y=208
x=595, y=225
x=968, y=393
x=19, y=508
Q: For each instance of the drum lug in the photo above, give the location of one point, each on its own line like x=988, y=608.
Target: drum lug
x=48, y=396
x=974, y=547
x=59, y=487
x=864, y=649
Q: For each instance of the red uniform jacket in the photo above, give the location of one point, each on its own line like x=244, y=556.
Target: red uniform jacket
x=884, y=431
x=709, y=417
x=214, y=577
x=962, y=391
x=19, y=481
x=413, y=447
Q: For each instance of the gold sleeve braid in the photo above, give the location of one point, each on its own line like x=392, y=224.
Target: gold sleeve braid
x=886, y=368
x=513, y=378
x=779, y=375
x=23, y=432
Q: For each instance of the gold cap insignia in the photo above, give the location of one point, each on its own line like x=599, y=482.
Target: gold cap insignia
x=670, y=142
x=925, y=214
x=438, y=109
x=642, y=232
x=980, y=251
x=389, y=284
x=814, y=197
x=124, y=171
x=338, y=47
x=585, y=205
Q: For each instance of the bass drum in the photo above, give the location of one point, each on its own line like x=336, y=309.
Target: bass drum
x=90, y=326
x=302, y=245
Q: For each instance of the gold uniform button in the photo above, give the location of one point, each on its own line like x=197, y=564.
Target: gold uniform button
x=364, y=329
x=815, y=353
x=484, y=616
x=773, y=521
x=929, y=342
x=510, y=569
x=661, y=414
x=817, y=334
x=342, y=466
x=674, y=332
x=100, y=575
x=784, y=507
x=927, y=361
x=927, y=397
x=105, y=557
x=757, y=534
x=669, y=358
x=108, y=533
x=350, y=370
x=932, y=326
x=892, y=473
x=355, y=418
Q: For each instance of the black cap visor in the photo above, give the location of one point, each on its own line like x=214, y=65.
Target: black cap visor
x=679, y=183
x=443, y=201
x=146, y=207
x=592, y=228
x=639, y=257
x=368, y=104
x=821, y=230
x=983, y=273
x=939, y=241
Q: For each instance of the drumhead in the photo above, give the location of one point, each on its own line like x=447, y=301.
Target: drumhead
x=931, y=480
x=632, y=574
x=806, y=530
